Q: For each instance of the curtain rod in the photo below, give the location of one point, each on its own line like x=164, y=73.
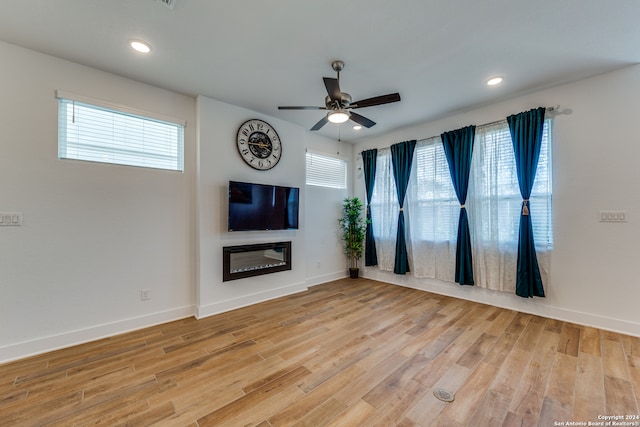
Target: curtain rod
x=552, y=109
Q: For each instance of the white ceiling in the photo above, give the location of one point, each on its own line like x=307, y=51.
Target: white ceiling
x=259, y=54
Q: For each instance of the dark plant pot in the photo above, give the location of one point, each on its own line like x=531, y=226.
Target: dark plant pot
x=353, y=273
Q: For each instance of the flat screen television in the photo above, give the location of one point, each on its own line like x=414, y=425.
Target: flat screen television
x=262, y=207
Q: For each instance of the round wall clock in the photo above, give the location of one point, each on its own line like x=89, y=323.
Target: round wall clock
x=259, y=144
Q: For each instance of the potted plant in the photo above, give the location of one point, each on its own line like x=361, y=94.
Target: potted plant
x=353, y=228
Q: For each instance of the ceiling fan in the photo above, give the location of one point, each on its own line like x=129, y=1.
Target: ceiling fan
x=340, y=105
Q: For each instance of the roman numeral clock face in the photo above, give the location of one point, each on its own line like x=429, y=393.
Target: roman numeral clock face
x=259, y=144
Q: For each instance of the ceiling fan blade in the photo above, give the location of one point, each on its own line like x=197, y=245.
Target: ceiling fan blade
x=376, y=100
x=323, y=121
x=361, y=120
x=287, y=107
x=333, y=88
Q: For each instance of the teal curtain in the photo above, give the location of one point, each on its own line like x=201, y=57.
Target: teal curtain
x=458, y=147
x=369, y=165
x=526, y=134
x=401, y=159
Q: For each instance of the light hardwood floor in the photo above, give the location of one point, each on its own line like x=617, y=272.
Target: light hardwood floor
x=345, y=353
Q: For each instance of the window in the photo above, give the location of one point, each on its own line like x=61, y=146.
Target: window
x=433, y=206
x=493, y=207
x=326, y=171
x=494, y=195
x=95, y=131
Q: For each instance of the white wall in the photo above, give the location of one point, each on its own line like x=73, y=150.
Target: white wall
x=93, y=235
x=324, y=250
x=593, y=278
x=325, y=256
x=219, y=162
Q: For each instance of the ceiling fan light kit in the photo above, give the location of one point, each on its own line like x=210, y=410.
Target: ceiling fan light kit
x=338, y=116
x=340, y=105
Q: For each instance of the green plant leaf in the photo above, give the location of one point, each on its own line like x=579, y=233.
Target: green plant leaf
x=353, y=228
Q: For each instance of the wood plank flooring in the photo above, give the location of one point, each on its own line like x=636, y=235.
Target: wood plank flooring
x=345, y=353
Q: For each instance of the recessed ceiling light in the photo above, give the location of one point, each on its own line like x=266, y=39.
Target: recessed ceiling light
x=140, y=46
x=357, y=127
x=494, y=81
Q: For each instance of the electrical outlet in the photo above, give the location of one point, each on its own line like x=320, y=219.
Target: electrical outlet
x=144, y=294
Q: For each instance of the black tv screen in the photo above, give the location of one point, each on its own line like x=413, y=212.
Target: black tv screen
x=262, y=207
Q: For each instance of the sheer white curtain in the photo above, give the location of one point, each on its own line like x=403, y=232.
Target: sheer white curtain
x=433, y=210
x=493, y=206
x=384, y=211
x=494, y=203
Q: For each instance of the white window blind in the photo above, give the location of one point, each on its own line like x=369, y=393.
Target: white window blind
x=433, y=206
x=326, y=171
x=99, y=133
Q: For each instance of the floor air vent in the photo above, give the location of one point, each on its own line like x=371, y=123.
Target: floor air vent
x=444, y=395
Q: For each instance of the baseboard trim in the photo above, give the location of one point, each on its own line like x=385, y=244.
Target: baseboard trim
x=247, y=300
x=37, y=346
x=317, y=280
x=535, y=306
x=42, y=345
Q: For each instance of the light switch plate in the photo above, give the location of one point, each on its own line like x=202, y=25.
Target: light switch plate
x=613, y=216
x=10, y=218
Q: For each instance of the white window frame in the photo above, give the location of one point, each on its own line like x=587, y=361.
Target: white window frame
x=126, y=136
x=333, y=180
